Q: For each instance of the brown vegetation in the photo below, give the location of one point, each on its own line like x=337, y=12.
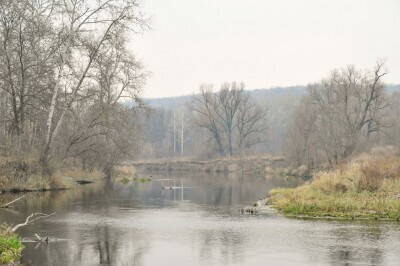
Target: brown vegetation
x=248, y=164
x=20, y=174
x=366, y=187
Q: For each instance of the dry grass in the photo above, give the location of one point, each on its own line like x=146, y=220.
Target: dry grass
x=78, y=173
x=25, y=174
x=247, y=164
x=368, y=187
x=126, y=170
x=125, y=174
x=22, y=174
x=261, y=157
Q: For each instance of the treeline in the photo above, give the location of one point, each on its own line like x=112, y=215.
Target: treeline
x=219, y=122
x=345, y=114
x=349, y=112
x=64, y=70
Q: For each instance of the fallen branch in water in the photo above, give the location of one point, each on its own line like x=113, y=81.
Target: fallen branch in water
x=31, y=219
x=7, y=205
x=41, y=239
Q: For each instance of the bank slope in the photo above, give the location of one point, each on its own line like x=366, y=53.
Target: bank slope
x=365, y=188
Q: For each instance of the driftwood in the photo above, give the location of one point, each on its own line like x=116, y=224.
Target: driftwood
x=31, y=219
x=41, y=239
x=7, y=205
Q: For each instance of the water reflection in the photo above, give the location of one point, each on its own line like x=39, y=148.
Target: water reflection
x=144, y=224
x=359, y=244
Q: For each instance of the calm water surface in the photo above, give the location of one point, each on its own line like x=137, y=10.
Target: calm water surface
x=142, y=224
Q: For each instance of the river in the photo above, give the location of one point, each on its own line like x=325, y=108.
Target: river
x=143, y=224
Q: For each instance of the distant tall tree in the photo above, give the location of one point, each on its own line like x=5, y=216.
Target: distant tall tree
x=205, y=105
x=230, y=117
x=251, y=122
x=345, y=110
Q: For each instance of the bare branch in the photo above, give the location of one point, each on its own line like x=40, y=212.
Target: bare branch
x=31, y=219
x=7, y=205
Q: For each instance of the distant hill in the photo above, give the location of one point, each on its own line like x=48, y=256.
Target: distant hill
x=393, y=88
x=175, y=102
x=270, y=95
x=168, y=103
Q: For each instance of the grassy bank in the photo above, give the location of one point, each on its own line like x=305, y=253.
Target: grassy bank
x=247, y=164
x=25, y=174
x=127, y=174
x=10, y=248
x=365, y=188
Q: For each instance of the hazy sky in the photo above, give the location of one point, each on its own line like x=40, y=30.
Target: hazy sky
x=264, y=43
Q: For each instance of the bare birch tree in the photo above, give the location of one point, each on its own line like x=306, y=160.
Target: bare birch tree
x=65, y=60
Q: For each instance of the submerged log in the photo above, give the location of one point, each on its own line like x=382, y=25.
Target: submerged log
x=84, y=182
x=31, y=219
x=8, y=205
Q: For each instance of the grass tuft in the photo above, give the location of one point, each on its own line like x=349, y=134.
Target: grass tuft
x=10, y=248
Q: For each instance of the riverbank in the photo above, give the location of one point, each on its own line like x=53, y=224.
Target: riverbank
x=248, y=165
x=10, y=248
x=26, y=175
x=368, y=187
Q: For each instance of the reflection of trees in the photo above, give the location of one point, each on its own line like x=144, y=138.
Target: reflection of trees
x=350, y=255
x=221, y=189
x=97, y=239
x=225, y=245
x=103, y=247
x=357, y=245
x=343, y=243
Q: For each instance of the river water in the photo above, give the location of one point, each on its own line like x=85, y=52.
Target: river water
x=143, y=224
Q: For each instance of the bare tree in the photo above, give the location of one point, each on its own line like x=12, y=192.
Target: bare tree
x=251, y=120
x=229, y=98
x=26, y=34
x=230, y=116
x=345, y=111
x=205, y=105
x=300, y=145
x=107, y=20
x=66, y=61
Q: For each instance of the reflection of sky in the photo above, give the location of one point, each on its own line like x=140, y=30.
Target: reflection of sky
x=143, y=225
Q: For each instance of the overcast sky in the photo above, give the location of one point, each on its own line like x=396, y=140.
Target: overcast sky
x=264, y=43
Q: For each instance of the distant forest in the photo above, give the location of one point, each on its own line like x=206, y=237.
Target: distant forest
x=158, y=123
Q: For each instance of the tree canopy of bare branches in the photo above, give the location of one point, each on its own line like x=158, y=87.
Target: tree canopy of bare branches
x=65, y=61
x=232, y=119
x=338, y=115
